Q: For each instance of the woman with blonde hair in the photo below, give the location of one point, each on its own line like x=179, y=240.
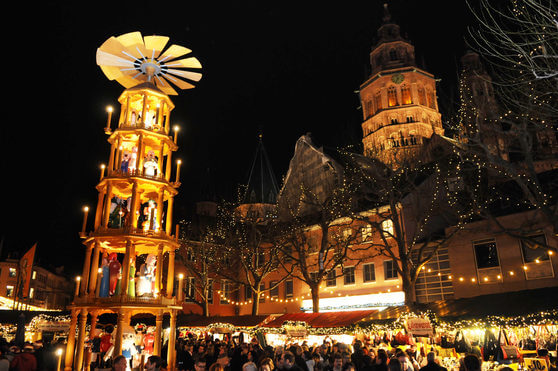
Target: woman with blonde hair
x=266, y=364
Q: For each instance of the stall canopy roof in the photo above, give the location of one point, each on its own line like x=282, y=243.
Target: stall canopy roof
x=326, y=319
x=516, y=303
x=196, y=320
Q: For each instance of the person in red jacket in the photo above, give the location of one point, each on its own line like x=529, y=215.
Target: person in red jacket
x=24, y=361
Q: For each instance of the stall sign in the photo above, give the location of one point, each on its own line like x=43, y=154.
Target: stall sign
x=419, y=326
x=296, y=330
x=536, y=364
x=54, y=326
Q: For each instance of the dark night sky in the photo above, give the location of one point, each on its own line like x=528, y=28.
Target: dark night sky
x=286, y=70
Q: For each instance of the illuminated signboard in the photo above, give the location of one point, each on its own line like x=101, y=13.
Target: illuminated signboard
x=357, y=302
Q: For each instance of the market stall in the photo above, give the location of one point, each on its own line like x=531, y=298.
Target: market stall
x=238, y=328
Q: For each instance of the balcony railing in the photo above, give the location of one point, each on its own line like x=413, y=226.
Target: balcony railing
x=131, y=231
x=136, y=172
x=125, y=300
x=140, y=125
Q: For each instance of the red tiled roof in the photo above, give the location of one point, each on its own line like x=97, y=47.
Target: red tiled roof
x=327, y=319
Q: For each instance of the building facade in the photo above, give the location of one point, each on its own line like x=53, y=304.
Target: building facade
x=47, y=290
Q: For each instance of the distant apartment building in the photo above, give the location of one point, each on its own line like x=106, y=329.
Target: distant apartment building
x=47, y=289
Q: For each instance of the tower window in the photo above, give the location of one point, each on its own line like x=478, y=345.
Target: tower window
x=406, y=95
x=392, y=97
x=422, y=96
x=393, y=54
x=378, y=102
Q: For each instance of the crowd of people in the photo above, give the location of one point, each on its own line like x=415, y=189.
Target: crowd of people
x=34, y=356
x=217, y=355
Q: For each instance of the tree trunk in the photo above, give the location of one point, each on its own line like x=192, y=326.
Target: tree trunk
x=206, y=308
x=409, y=290
x=256, y=305
x=315, y=299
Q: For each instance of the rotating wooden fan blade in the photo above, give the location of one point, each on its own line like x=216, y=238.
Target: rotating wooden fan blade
x=132, y=59
x=133, y=43
x=109, y=59
x=187, y=63
x=128, y=81
x=180, y=83
x=165, y=87
x=174, y=51
x=114, y=47
x=194, y=76
x=155, y=44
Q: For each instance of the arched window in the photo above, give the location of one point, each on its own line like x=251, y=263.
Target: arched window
x=422, y=96
x=392, y=97
x=378, y=100
x=406, y=94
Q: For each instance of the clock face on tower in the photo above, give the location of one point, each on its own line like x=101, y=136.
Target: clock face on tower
x=397, y=78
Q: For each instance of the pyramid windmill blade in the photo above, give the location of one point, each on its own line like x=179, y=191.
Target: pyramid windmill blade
x=165, y=86
x=186, y=63
x=132, y=59
x=194, y=76
x=127, y=81
x=180, y=83
x=113, y=46
x=108, y=59
x=174, y=51
x=133, y=42
x=155, y=44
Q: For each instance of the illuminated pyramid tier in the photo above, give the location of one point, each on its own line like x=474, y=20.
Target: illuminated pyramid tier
x=129, y=259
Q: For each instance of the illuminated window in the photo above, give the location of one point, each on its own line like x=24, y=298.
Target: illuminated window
x=274, y=292
x=13, y=272
x=331, y=279
x=225, y=291
x=387, y=227
x=368, y=273
x=190, y=289
x=247, y=292
x=534, y=250
x=34, y=275
x=406, y=94
x=378, y=101
x=288, y=289
x=486, y=254
x=31, y=292
x=366, y=233
x=392, y=97
x=9, y=291
x=348, y=275
x=390, y=270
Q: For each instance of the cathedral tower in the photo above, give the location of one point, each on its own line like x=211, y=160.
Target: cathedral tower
x=129, y=259
x=399, y=99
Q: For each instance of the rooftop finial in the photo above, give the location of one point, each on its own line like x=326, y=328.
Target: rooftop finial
x=387, y=16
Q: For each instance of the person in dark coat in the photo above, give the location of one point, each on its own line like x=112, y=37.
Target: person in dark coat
x=431, y=364
x=24, y=361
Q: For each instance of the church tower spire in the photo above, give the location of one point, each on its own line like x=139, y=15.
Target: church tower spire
x=399, y=103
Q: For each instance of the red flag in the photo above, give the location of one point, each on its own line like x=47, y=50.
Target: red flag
x=26, y=269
